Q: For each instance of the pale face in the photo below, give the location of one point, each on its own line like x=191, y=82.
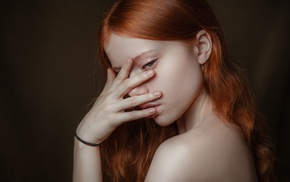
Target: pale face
x=178, y=74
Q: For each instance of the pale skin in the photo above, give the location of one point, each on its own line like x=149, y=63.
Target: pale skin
x=165, y=80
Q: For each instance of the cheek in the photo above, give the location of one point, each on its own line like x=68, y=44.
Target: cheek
x=180, y=84
x=188, y=87
x=184, y=80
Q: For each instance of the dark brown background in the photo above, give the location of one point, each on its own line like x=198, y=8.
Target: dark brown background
x=49, y=75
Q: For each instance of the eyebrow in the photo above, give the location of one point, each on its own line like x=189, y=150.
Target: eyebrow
x=143, y=54
x=136, y=58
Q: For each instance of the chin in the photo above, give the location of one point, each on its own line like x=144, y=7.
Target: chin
x=161, y=121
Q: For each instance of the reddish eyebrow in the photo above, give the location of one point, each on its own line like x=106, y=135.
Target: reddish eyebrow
x=136, y=58
x=143, y=54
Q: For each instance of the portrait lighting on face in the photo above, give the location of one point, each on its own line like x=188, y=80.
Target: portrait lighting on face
x=172, y=97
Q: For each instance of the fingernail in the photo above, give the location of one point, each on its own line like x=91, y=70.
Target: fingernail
x=152, y=111
x=149, y=72
x=157, y=94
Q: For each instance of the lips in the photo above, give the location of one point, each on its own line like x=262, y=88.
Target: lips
x=147, y=105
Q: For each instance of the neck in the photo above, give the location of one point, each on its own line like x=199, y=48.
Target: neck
x=200, y=108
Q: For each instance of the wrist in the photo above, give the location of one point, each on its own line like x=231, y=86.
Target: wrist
x=80, y=146
x=84, y=142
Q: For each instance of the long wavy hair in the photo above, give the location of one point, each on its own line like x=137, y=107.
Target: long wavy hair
x=128, y=152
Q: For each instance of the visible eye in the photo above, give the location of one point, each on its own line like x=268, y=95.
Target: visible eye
x=149, y=64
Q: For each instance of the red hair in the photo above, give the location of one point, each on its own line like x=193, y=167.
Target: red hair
x=128, y=152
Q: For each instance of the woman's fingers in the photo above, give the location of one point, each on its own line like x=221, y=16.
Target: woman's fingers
x=122, y=84
x=124, y=73
x=133, y=82
x=108, y=110
x=137, y=114
x=137, y=100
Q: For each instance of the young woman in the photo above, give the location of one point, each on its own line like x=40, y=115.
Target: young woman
x=174, y=107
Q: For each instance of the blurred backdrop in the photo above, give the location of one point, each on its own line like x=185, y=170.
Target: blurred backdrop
x=49, y=76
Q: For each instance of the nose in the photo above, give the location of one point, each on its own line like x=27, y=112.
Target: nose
x=139, y=90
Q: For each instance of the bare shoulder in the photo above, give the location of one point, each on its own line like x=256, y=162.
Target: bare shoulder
x=213, y=151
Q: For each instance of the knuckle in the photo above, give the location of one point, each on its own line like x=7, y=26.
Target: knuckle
x=145, y=112
x=134, y=115
x=134, y=81
x=107, y=109
x=149, y=96
x=146, y=97
x=127, y=84
x=121, y=76
x=143, y=77
x=133, y=101
x=117, y=81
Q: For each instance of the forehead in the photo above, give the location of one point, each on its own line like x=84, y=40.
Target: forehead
x=121, y=48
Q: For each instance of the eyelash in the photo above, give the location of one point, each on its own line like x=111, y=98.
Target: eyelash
x=149, y=64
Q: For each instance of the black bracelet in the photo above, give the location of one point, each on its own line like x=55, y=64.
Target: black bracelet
x=84, y=142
